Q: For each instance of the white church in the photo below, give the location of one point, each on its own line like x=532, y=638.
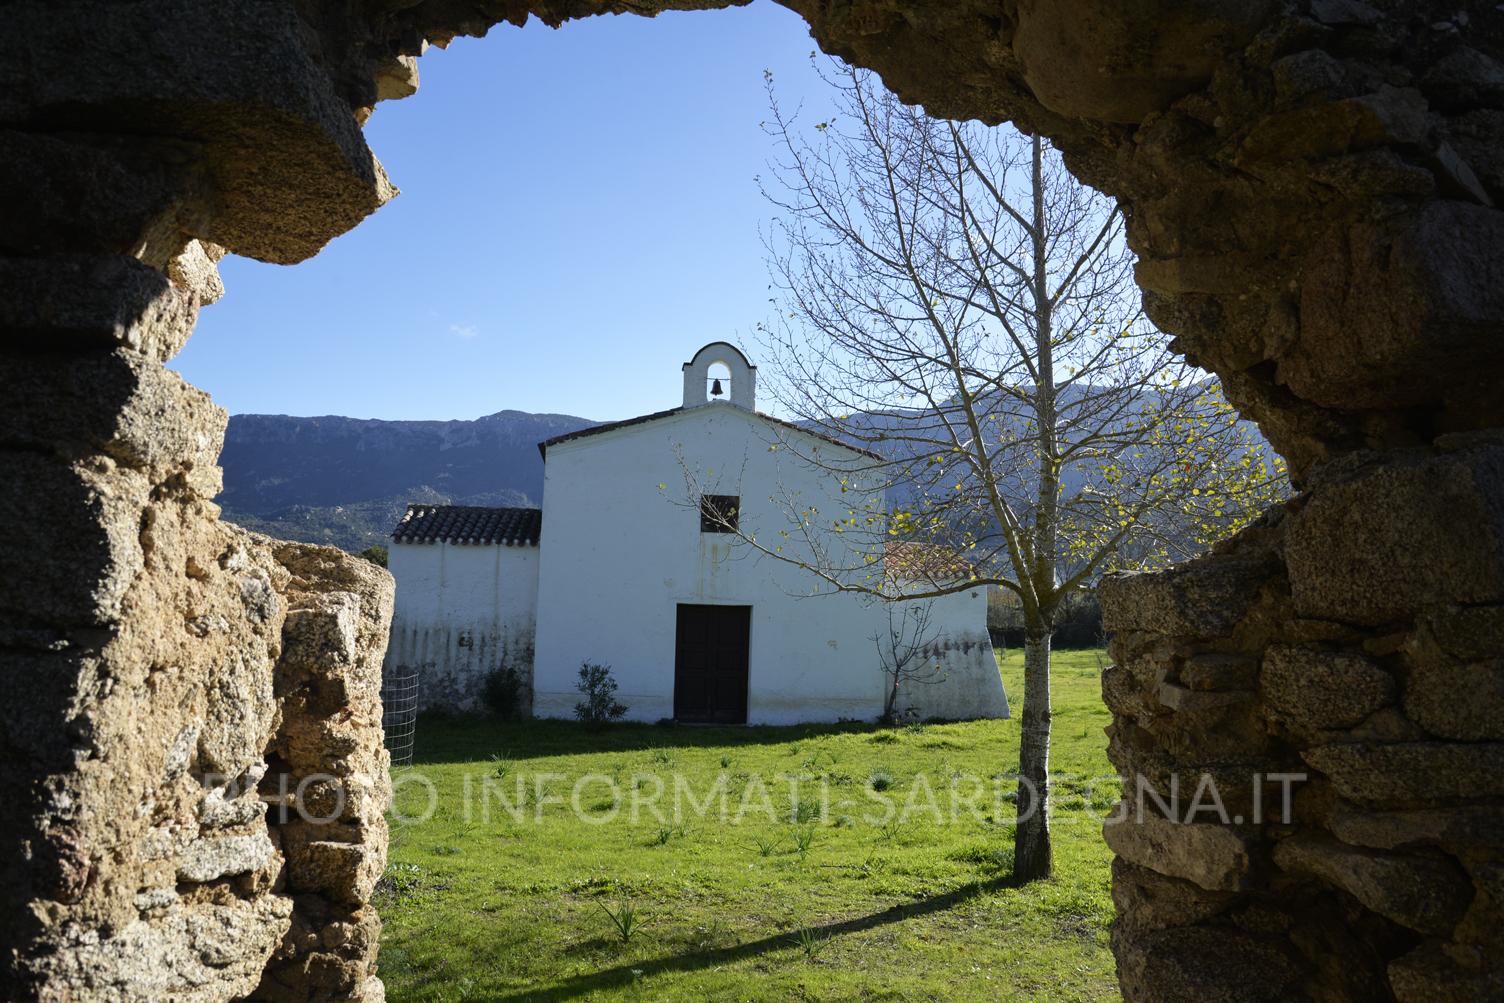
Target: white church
x=642, y=559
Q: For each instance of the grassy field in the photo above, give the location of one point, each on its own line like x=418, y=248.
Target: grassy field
x=842, y=897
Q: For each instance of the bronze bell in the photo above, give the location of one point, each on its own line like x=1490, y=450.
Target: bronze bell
x=715, y=388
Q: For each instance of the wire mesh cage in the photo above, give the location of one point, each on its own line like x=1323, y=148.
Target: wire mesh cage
x=399, y=712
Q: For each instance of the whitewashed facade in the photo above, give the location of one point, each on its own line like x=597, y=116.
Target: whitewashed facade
x=624, y=573
x=469, y=598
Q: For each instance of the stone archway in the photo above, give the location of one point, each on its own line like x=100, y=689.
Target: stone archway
x=1310, y=188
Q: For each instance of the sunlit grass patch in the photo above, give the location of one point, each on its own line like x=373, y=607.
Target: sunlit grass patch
x=818, y=890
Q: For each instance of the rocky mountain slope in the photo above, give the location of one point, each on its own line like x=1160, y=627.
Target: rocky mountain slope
x=346, y=481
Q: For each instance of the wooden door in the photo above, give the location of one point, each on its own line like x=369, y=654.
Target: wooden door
x=710, y=664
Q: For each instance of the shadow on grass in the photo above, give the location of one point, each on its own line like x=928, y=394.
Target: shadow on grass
x=444, y=739
x=624, y=974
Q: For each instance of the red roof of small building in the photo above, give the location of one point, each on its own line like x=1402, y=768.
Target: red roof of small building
x=904, y=559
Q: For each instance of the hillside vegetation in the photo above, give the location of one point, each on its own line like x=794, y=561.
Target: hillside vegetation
x=346, y=481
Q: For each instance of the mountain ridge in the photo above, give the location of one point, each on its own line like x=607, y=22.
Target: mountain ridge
x=346, y=481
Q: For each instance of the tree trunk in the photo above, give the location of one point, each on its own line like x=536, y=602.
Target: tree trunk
x=1032, y=856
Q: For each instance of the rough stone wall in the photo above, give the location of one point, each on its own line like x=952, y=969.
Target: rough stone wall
x=167, y=675
x=1310, y=186
x=1351, y=642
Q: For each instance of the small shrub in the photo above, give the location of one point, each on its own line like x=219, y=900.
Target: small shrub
x=624, y=917
x=600, y=706
x=501, y=765
x=767, y=847
x=725, y=762
x=666, y=833
x=813, y=762
x=505, y=693
x=880, y=780
x=803, y=840
x=375, y=554
x=811, y=942
x=804, y=811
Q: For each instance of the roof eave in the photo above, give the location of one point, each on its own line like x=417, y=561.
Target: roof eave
x=645, y=419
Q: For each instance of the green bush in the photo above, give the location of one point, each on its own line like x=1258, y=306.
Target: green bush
x=504, y=693
x=376, y=555
x=1080, y=623
x=1077, y=625
x=1004, y=613
x=600, y=706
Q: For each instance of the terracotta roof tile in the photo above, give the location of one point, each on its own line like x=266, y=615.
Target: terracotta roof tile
x=903, y=559
x=514, y=527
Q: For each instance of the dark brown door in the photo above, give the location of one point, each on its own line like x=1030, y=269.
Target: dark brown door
x=710, y=664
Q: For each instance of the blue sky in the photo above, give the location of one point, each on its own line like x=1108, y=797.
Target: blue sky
x=578, y=215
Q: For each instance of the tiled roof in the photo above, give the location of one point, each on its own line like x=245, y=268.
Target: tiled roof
x=514, y=527
x=612, y=426
x=903, y=559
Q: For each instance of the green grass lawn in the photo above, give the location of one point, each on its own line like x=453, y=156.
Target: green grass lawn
x=833, y=901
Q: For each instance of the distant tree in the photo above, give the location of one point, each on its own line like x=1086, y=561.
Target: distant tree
x=952, y=299
x=375, y=554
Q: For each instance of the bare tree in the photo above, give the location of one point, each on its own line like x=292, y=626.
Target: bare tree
x=951, y=298
x=904, y=650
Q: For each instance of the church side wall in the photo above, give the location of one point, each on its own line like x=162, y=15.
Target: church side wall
x=957, y=673
x=461, y=612
x=622, y=548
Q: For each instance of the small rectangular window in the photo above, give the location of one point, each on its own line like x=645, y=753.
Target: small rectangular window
x=718, y=513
